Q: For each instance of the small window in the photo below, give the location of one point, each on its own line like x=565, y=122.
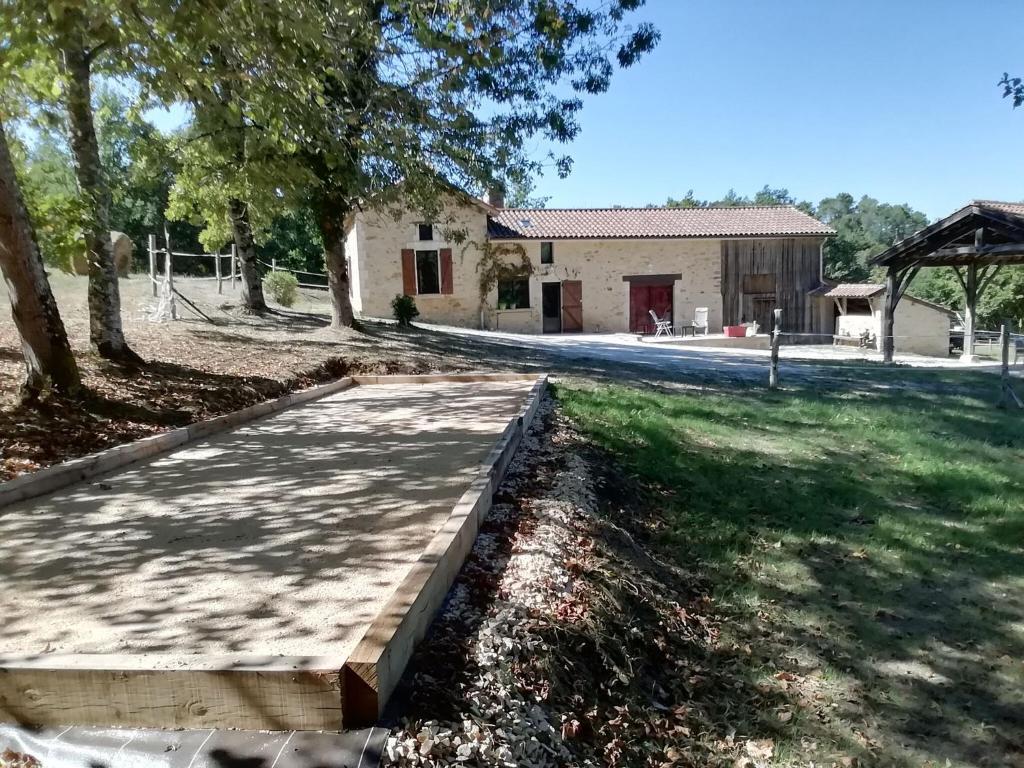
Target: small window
x=426, y=232
x=514, y=293
x=547, y=253
x=428, y=273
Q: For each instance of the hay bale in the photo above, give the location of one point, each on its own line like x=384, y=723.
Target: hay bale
x=123, y=249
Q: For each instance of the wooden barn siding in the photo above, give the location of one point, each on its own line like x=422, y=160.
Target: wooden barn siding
x=795, y=261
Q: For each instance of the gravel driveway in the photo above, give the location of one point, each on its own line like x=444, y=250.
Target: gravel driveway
x=621, y=356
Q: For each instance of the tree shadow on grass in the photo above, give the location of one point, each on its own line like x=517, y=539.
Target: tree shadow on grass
x=876, y=558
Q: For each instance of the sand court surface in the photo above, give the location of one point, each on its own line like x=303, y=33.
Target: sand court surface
x=282, y=537
x=271, y=576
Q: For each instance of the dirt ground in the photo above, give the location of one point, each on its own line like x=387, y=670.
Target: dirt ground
x=195, y=369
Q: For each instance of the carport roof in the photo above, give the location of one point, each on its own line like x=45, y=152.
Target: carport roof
x=953, y=241
x=652, y=223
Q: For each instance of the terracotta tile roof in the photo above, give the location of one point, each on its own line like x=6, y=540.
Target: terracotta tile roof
x=854, y=290
x=645, y=223
x=867, y=290
x=1015, y=208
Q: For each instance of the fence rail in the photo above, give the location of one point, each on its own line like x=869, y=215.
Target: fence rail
x=273, y=267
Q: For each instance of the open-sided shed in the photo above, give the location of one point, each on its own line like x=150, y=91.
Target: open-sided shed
x=977, y=241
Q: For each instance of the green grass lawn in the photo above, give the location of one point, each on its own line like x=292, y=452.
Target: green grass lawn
x=869, y=548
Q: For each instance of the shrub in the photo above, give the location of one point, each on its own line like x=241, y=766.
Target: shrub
x=404, y=309
x=282, y=287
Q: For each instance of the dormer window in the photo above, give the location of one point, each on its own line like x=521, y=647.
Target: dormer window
x=426, y=232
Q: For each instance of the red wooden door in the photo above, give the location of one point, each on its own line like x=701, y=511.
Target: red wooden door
x=572, y=306
x=644, y=297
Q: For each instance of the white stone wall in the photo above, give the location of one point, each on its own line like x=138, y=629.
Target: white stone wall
x=380, y=239
x=600, y=265
x=919, y=328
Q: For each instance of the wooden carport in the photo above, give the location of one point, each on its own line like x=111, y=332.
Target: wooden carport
x=977, y=241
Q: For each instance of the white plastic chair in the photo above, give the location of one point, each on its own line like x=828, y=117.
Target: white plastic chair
x=700, y=320
x=660, y=326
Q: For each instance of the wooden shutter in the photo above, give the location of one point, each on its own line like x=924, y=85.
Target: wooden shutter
x=572, y=306
x=446, y=271
x=408, y=272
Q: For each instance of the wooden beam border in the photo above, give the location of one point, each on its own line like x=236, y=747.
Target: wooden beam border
x=255, y=692
x=376, y=664
x=263, y=693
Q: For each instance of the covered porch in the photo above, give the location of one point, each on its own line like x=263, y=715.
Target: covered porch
x=976, y=241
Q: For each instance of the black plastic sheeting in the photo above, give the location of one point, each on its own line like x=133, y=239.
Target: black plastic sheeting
x=82, y=747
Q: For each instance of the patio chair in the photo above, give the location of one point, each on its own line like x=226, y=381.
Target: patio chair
x=660, y=325
x=700, y=321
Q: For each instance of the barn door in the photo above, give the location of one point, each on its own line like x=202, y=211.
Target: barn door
x=572, y=306
x=644, y=297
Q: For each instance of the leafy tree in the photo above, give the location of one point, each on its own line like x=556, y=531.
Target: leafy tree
x=441, y=95
x=239, y=164
x=863, y=229
x=293, y=240
x=44, y=343
x=687, y=201
x=140, y=169
x=768, y=196
x=50, y=193
x=52, y=53
x=731, y=200
x=519, y=194
x=1002, y=300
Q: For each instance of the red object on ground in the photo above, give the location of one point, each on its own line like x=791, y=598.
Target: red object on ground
x=735, y=331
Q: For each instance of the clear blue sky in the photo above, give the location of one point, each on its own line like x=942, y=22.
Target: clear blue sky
x=892, y=98
x=896, y=99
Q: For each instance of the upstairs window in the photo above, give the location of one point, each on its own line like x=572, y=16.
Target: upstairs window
x=514, y=293
x=547, y=253
x=428, y=272
x=426, y=232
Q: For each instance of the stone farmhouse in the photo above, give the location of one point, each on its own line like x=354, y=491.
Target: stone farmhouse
x=594, y=269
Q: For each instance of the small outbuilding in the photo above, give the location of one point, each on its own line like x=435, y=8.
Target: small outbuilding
x=923, y=326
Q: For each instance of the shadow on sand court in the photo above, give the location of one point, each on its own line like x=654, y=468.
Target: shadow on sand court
x=281, y=537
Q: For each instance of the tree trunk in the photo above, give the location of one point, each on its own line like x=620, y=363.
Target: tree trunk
x=331, y=220
x=44, y=344
x=105, y=331
x=241, y=230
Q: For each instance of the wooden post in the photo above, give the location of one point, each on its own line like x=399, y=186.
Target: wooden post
x=216, y=271
x=773, y=375
x=273, y=265
x=152, y=262
x=234, y=264
x=1007, y=396
x=169, y=270
x=970, y=311
x=889, y=315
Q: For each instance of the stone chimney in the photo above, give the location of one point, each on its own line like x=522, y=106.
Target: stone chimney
x=496, y=196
